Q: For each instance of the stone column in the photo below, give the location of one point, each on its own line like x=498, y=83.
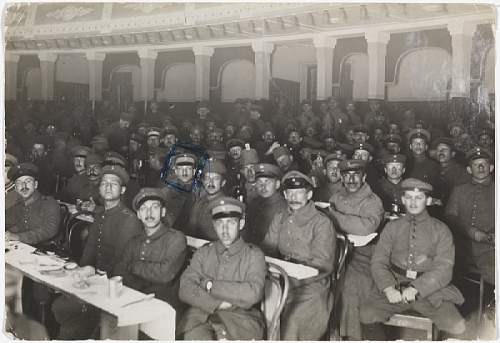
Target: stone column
x=148, y=59
x=324, y=61
x=377, y=49
x=47, y=70
x=263, y=53
x=202, y=56
x=95, y=60
x=11, y=61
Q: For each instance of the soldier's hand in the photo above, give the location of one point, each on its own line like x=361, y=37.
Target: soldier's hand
x=89, y=206
x=409, y=294
x=224, y=305
x=393, y=295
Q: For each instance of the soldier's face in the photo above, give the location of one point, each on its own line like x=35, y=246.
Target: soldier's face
x=394, y=170
x=310, y=132
x=415, y=202
x=480, y=168
x=169, y=140
x=378, y=135
x=350, y=108
x=79, y=164
x=362, y=155
x=196, y=136
x=229, y=131
x=184, y=173
x=353, y=180
x=418, y=146
x=456, y=131
x=485, y=141
x=133, y=146
x=284, y=161
x=124, y=124
x=393, y=147
x=393, y=129
x=297, y=197
x=360, y=137
x=214, y=138
x=213, y=182
x=228, y=229
x=110, y=187
x=202, y=112
x=444, y=153
x=268, y=137
x=26, y=186
x=153, y=141
x=150, y=213
x=248, y=172
x=93, y=172
x=267, y=186
x=235, y=152
x=38, y=151
x=333, y=171
x=294, y=138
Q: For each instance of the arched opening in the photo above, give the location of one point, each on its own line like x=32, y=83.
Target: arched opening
x=237, y=80
x=125, y=85
x=354, y=77
x=178, y=83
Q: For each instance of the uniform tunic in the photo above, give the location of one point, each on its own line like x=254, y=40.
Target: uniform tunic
x=422, y=244
x=450, y=176
x=471, y=207
x=308, y=237
x=200, y=222
x=152, y=264
x=424, y=169
x=108, y=235
x=326, y=191
x=36, y=221
x=260, y=213
x=238, y=274
x=358, y=213
x=389, y=193
x=176, y=202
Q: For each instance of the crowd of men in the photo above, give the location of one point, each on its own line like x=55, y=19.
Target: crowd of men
x=250, y=185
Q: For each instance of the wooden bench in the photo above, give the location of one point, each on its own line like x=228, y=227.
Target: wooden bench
x=414, y=320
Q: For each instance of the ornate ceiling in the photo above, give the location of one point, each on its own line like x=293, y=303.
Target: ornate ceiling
x=45, y=26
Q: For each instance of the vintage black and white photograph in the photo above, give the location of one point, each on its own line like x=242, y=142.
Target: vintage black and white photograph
x=281, y=171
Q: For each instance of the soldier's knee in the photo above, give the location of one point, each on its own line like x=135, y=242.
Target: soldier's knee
x=457, y=328
x=368, y=314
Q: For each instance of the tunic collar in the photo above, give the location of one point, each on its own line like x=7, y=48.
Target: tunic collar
x=160, y=232
x=304, y=214
x=485, y=184
x=115, y=209
x=233, y=248
x=35, y=197
x=418, y=218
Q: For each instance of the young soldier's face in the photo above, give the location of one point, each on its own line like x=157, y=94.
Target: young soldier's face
x=333, y=171
x=79, y=164
x=394, y=170
x=153, y=141
x=267, y=186
x=294, y=138
x=228, y=229
x=26, y=186
x=284, y=161
x=480, y=168
x=150, y=213
x=110, y=187
x=184, y=173
x=297, y=197
x=235, y=152
x=418, y=146
x=248, y=172
x=268, y=137
x=444, y=153
x=415, y=202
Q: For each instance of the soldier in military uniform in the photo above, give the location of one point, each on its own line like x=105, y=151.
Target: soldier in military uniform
x=118, y=133
x=178, y=190
x=113, y=227
x=388, y=188
x=470, y=212
x=419, y=165
x=412, y=266
x=248, y=184
x=262, y=209
x=224, y=282
x=11, y=196
x=334, y=184
x=358, y=211
x=284, y=159
x=213, y=179
x=80, y=154
x=364, y=152
x=153, y=138
x=153, y=261
x=304, y=235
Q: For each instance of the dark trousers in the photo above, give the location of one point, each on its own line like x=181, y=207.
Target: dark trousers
x=78, y=321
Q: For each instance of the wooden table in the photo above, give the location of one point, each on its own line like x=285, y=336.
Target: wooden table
x=154, y=317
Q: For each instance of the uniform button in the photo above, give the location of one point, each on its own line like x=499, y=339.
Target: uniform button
x=142, y=258
x=142, y=252
x=147, y=241
x=99, y=239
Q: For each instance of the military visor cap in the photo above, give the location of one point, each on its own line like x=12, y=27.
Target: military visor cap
x=146, y=194
x=185, y=160
x=23, y=169
x=295, y=179
x=114, y=158
x=419, y=133
x=11, y=160
x=235, y=142
x=93, y=159
x=153, y=132
x=116, y=170
x=333, y=157
x=442, y=140
x=81, y=151
x=214, y=165
x=478, y=152
x=280, y=151
x=416, y=185
x=394, y=158
x=352, y=165
x=226, y=207
x=267, y=170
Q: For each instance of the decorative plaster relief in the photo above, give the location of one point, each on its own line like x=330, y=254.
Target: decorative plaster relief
x=69, y=13
x=16, y=15
x=145, y=8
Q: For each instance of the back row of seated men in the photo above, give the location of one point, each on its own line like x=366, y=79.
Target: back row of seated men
x=275, y=213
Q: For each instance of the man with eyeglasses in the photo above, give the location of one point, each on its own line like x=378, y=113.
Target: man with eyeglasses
x=358, y=211
x=113, y=226
x=269, y=201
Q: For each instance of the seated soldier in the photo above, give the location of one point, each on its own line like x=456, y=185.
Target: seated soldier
x=334, y=183
x=153, y=261
x=224, y=282
x=412, y=266
x=303, y=235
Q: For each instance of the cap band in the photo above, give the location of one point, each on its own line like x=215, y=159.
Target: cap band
x=231, y=214
x=113, y=163
x=150, y=197
x=294, y=183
